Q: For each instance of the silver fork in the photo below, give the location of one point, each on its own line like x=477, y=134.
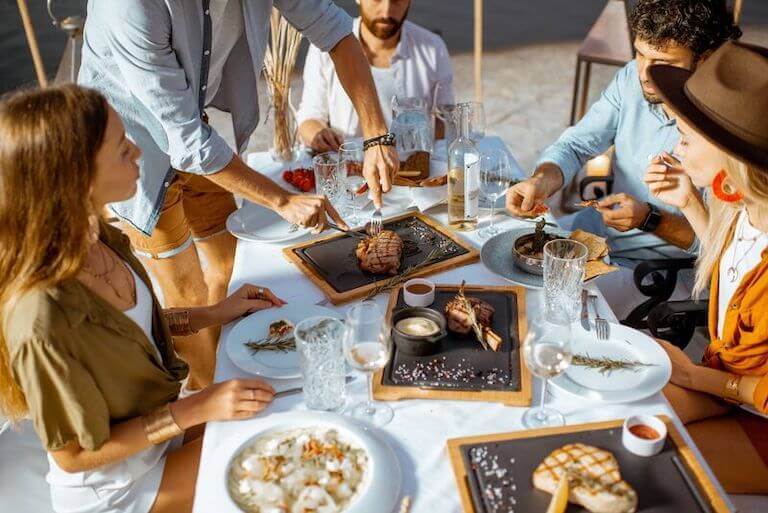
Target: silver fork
x=602, y=327
x=376, y=224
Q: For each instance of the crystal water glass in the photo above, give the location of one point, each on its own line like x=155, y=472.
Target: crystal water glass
x=351, y=163
x=495, y=179
x=328, y=181
x=319, y=344
x=564, y=261
x=547, y=353
x=368, y=347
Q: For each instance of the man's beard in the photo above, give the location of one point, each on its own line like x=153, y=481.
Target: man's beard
x=653, y=99
x=384, y=28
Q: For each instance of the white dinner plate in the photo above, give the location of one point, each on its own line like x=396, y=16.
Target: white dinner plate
x=378, y=493
x=269, y=364
x=619, y=386
x=255, y=223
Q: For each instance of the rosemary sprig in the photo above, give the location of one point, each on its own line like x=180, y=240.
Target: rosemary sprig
x=280, y=344
x=608, y=365
x=390, y=283
x=472, y=317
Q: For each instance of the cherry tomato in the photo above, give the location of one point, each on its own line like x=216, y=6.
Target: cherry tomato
x=288, y=176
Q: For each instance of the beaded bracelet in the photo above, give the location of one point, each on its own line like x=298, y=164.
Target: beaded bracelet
x=179, y=322
x=387, y=139
x=160, y=426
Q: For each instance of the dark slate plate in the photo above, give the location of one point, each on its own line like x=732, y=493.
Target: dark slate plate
x=660, y=487
x=335, y=261
x=463, y=364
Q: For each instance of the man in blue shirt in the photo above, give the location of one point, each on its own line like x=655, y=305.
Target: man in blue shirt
x=160, y=63
x=630, y=116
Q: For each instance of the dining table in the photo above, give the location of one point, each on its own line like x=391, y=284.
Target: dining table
x=420, y=428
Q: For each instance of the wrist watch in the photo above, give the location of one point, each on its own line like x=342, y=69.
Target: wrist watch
x=652, y=220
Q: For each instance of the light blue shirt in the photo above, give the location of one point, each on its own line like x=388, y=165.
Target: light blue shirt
x=639, y=131
x=150, y=58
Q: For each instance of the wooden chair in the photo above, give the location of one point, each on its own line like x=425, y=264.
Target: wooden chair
x=609, y=42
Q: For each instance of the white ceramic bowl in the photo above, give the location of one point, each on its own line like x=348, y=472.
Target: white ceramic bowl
x=643, y=446
x=419, y=300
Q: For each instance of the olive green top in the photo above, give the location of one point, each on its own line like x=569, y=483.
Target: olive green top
x=83, y=364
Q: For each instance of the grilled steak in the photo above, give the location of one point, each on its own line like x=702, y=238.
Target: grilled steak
x=456, y=314
x=593, y=475
x=380, y=254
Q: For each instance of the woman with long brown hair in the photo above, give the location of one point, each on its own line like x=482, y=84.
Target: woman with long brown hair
x=722, y=115
x=86, y=351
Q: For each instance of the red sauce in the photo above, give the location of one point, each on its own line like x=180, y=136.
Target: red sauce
x=644, y=432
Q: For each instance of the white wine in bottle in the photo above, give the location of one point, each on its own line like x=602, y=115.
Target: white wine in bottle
x=463, y=177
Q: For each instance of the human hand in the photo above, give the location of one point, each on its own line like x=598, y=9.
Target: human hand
x=326, y=139
x=232, y=400
x=309, y=211
x=246, y=300
x=380, y=166
x=628, y=214
x=668, y=181
x=683, y=369
x=526, y=199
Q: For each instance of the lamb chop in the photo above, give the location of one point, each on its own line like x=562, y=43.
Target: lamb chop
x=461, y=320
x=593, y=476
x=381, y=253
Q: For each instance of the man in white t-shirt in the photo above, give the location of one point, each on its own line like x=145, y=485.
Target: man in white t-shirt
x=406, y=61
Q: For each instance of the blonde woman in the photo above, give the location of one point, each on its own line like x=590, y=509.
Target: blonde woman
x=722, y=112
x=86, y=352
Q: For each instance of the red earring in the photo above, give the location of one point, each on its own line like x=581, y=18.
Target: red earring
x=719, y=189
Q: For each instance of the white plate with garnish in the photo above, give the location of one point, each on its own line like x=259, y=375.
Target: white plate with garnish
x=267, y=462
x=263, y=344
x=255, y=223
x=627, y=367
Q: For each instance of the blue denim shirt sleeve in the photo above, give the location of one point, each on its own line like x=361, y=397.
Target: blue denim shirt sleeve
x=320, y=21
x=138, y=36
x=591, y=136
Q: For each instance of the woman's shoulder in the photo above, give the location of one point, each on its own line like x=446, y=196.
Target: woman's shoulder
x=43, y=315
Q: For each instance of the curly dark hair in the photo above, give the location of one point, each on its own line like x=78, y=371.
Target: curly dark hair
x=700, y=25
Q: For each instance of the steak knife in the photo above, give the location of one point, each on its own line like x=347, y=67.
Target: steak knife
x=585, y=310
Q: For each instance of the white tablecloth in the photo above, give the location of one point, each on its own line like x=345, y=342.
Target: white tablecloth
x=420, y=428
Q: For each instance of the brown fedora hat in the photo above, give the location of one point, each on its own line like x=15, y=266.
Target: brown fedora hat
x=725, y=99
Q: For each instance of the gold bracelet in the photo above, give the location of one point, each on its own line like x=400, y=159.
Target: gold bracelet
x=179, y=322
x=732, y=389
x=159, y=425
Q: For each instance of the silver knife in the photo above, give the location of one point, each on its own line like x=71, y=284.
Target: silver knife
x=296, y=390
x=585, y=310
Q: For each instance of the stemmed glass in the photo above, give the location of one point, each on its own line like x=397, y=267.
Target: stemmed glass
x=351, y=164
x=547, y=353
x=495, y=179
x=368, y=346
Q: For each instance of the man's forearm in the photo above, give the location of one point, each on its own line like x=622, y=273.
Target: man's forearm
x=551, y=177
x=308, y=129
x=676, y=230
x=354, y=73
x=238, y=178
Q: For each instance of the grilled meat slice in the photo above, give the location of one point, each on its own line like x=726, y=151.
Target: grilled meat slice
x=380, y=254
x=593, y=475
x=456, y=313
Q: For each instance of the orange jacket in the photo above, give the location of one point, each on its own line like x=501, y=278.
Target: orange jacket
x=743, y=349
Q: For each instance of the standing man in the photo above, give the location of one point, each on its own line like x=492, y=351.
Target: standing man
x=406, y=61
x=161, y=63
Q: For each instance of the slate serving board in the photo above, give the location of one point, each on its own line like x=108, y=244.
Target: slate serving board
x=463, y=364
x=659, y=485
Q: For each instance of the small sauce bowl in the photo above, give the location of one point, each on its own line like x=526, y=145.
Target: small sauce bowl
x=419, y=345
x=644, y=435
x=419, y=293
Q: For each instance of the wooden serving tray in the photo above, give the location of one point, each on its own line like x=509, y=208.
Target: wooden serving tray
x=660, y=486
x=515, y=390
x=331, y=264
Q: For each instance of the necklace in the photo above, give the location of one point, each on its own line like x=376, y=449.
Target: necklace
x=109, y=264
x=732, y=273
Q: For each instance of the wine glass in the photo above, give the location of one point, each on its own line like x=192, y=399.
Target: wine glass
x=368, y=346
x=547, y=353
x=351, y=164
x=495, y=179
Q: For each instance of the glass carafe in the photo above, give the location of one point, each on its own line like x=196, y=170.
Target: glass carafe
x=463, y=176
